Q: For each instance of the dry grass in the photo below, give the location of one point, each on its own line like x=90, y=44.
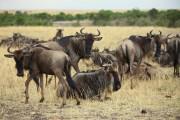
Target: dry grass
x=160, y=97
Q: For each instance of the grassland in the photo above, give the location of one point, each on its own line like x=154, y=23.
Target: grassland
x=159, y=97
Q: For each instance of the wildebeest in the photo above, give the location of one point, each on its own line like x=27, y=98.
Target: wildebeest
x=101, y=58
x=21, y=40
x=173, y=48
x=131, y=51
x=6, y=41
x=96, y=83
x=41, y=60
x=76, y=46
x=161, y=40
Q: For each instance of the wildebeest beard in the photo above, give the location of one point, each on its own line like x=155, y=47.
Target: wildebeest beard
x=19, y=66
x=88, y=46
x=117, y=81
x=83, y=48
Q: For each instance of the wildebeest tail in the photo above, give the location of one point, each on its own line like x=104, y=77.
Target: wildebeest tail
x=69, y=79
x=125, y=52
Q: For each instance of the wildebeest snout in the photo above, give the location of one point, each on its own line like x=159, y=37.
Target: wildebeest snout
x=20, y=74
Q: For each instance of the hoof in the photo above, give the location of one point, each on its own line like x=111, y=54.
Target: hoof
x=41, y=100
x=62, y=105
x=101, y=100
x=78, y=103
x=108, y=98
x=26, y=102
x=143, y=111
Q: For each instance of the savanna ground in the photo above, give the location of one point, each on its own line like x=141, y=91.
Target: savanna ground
x=159, y=97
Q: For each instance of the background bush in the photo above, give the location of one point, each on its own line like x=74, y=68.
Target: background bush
x=135, y=17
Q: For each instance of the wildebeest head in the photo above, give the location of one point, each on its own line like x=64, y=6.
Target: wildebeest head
x=16, y=36
x=113, y=69
x=88, y=40
x=19, y=56
x=157, y=44
x=159, y=40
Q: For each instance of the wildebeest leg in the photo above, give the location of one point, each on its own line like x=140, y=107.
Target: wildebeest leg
x=64, y=87
x=75, y=65
x=108, y=91
x=55, y=81
x=36, y=80
x=27, y=88
x=50, y=79
x=131, y=61
x=174, y=67
x=102, y=95
x=74, y=61
x=46, y=80
x=120, y=70
x=42, y=88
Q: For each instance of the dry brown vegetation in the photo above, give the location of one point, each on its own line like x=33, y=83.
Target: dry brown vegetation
x=158, y=98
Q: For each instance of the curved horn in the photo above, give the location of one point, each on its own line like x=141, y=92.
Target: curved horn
x=169, y=35
x=99, y=33
x=81, y=30
x=160, y=33
x=8, y=49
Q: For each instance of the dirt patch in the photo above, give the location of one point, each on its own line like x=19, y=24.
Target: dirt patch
x=14, y=110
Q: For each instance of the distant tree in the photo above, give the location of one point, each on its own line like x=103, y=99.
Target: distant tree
x=153, y=13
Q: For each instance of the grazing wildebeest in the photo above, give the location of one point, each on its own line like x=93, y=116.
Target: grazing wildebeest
x=58, y=35
x=96, y=83
x=41, y=60
x=76, y=46
x=131, y=51
x=173, y=48
x=21, y=40
x=6, y=41
x=101, y=58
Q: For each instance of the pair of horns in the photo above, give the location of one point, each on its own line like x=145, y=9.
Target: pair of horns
x=81, y=31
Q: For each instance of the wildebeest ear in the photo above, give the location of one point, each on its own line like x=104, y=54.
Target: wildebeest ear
x=98, y=38
x=9, y=55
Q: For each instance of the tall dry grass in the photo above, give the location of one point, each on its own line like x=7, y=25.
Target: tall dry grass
x=149, y=94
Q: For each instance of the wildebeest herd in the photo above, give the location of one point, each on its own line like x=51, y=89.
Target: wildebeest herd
x=56, y=56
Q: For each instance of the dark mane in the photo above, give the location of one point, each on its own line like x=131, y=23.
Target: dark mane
x=142, y=42
x=64, y=41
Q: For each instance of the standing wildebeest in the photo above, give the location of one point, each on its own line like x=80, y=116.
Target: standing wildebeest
x=161, y=40
x=96, y=83
x=39, y=61
x=131, y=51
x=173, y=48
x=76, y=46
